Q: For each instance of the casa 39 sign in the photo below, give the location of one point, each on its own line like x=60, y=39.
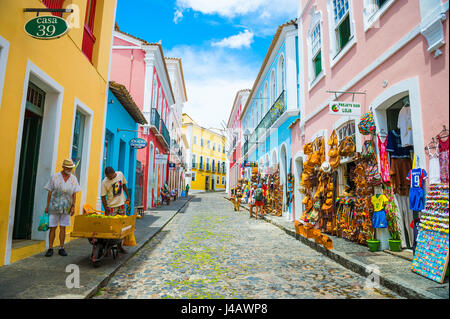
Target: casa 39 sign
x=46, y=27
x=345, y=108
x=138, y=143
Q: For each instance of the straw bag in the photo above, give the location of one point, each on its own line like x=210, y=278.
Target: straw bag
x=366, y=125
x=347, y=146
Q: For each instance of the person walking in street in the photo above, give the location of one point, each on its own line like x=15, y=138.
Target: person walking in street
x=259, y=201
x=251, y=199
x=62, y=189
x=114, y=185
x=187, y=190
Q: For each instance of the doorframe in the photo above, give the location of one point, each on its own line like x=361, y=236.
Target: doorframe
x=48, y=149
x=299, y=160
x=87, y=137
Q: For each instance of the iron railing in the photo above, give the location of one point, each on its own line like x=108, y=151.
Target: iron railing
x=155, y=119
x=274, y=113
x=165, y=133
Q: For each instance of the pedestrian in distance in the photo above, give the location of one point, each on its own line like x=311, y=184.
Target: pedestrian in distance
x=114, y=185
x=187, y=189
x=252, y=199
x=259, y=201
x=62, y=189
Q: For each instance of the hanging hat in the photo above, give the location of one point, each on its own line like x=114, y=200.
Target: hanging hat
x=325, y=167
x=68, y=163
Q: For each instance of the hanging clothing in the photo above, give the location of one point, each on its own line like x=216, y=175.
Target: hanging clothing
x=443, y=159
x=394, y=146
x=405, y=126
x=435, y=172
x=384, y=163
x=405, y=216
x=399, y=170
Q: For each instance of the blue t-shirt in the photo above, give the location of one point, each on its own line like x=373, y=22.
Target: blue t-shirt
x=394, y=146
x=417, y=176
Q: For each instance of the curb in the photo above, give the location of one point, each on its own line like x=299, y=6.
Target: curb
x=93, y=291
x=395, y=284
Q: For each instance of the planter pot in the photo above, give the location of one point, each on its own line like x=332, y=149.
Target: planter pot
x=373, y=245
x=395, y=245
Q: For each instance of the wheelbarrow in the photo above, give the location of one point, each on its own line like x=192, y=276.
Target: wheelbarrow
x=104, y=234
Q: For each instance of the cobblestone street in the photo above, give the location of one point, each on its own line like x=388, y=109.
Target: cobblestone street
x=210, y=251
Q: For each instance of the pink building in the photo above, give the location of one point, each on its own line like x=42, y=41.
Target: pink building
x=235, y=140
x=141, y=67
x=395, y=52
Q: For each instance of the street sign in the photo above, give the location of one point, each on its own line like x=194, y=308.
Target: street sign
x=345, y=108
x=138, y=143
x=46, y=27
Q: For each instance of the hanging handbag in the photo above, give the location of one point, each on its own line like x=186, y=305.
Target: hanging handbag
x=366, y=125
x=347, y=146
x=368, y=149
x=373, y=177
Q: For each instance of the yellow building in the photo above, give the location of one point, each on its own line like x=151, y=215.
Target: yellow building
x=206, y=157
x=52, y=106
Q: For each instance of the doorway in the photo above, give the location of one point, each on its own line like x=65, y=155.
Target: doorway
x=213, y=183
x=29, y=156
x=207, y=183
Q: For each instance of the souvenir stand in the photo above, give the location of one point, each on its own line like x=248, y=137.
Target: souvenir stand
x=274, y=192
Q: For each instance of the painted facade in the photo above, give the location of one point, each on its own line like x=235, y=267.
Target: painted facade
x=390, y=58
x=235, y=140
x=177, y=166
x=122, y=125
x=272, y=106
x=140, y=66
x=206, y=157
x=46, y=113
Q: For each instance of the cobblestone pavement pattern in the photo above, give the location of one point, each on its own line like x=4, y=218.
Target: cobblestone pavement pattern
x=210, y=251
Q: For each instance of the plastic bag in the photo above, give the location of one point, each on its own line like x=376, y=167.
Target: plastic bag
x=130, y=240
x=183, y=194
x=43, y=223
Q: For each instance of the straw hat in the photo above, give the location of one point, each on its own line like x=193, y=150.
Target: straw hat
x=325, y=167
x=68, y=163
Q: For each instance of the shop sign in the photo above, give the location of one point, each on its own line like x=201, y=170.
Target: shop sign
x=345, y=108
x=161, y=158
x=46, y=27
x=171, y=165
x=138, y=143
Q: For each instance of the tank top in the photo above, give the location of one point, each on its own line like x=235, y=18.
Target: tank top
x=443, y=159
x=434, y=171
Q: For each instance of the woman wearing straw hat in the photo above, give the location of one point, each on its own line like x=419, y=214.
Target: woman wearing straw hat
x=62, y=189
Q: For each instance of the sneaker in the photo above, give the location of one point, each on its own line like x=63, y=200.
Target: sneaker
x=49, y=252
x=62, y=252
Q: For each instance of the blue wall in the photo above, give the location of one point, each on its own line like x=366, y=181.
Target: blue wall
x=119, y=154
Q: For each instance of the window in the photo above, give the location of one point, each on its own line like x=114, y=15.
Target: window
x=266, y=97
x=223, y=180
x=223, y=168
x=218, y=148
x=261, y=106
x=214, y=146
x=208, y=144
x=77, y=144
x=195, y=139
x=201, y=163
x=194, y=164
x=218, y=180
x=207, y=164
x=272, y=87
x=202, y=142
x=213, y=166
x=281, y=75
x=155, y=92
x=373, y=9
x=348, y=129
x=88, y=37
x=316, y=52
x=223, y=149
x=193, y=176
x=218, y=167
x=342, y=27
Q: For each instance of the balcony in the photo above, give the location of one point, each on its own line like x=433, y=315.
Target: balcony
x=154, y=120
x=274, y=113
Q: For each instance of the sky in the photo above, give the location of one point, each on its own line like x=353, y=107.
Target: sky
x=222, y=44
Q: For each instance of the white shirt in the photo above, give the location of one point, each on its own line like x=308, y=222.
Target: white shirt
x=405, y=126
x=62, y=192
x=113, y=190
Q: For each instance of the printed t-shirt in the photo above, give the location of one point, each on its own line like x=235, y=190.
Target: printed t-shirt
x=378, y=202
x=113, y=190
x=62, y=192
x=417, y=176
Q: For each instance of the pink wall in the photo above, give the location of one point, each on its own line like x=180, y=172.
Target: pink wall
x=412, y=61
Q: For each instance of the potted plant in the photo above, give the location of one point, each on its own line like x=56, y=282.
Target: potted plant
x=395, y=244
x=372, y=242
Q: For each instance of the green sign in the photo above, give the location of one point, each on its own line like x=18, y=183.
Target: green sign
x=46, y=27
x=345, y=108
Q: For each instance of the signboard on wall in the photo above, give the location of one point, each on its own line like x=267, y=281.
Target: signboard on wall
x=46, y=27
x=161, y=159
x=138, y=143
x=345, y=108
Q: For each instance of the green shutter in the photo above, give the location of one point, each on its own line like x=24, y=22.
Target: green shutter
x=344, y=32
x=318, y=63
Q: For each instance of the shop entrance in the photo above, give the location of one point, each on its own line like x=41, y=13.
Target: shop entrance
x=29, y=156
x=207, y=183
x=213, y=183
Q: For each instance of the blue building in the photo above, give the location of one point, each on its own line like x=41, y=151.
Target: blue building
x=273, y=105
x=122, y=123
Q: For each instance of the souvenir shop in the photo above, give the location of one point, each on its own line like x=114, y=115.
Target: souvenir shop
x=373, y=196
